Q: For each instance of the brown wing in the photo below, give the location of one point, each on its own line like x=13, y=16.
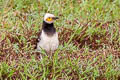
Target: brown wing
x=38, y=39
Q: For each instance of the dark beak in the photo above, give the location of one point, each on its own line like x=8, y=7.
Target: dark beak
x=54, y=18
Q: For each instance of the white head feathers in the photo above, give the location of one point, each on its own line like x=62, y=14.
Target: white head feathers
x=48, y=15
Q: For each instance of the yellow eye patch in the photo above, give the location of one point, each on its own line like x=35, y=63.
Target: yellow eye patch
x=49, y=19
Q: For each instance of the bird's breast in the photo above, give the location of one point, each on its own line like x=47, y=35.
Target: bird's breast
x=48, y=42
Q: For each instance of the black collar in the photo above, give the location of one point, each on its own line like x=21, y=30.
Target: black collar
x=48, y=28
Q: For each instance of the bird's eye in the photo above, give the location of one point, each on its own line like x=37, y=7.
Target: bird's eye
x=49, y=19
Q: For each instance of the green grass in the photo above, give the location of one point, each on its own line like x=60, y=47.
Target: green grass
x=89, y=34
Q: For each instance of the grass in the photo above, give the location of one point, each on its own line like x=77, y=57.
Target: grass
x=89, y=34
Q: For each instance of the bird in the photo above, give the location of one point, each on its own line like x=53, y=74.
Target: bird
x=48, y=37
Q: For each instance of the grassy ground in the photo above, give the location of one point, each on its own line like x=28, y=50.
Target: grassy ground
x=89, y=34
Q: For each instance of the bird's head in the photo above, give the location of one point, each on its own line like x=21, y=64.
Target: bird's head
x=49, y=18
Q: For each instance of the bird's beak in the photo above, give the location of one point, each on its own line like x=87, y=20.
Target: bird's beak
x=54, y=18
